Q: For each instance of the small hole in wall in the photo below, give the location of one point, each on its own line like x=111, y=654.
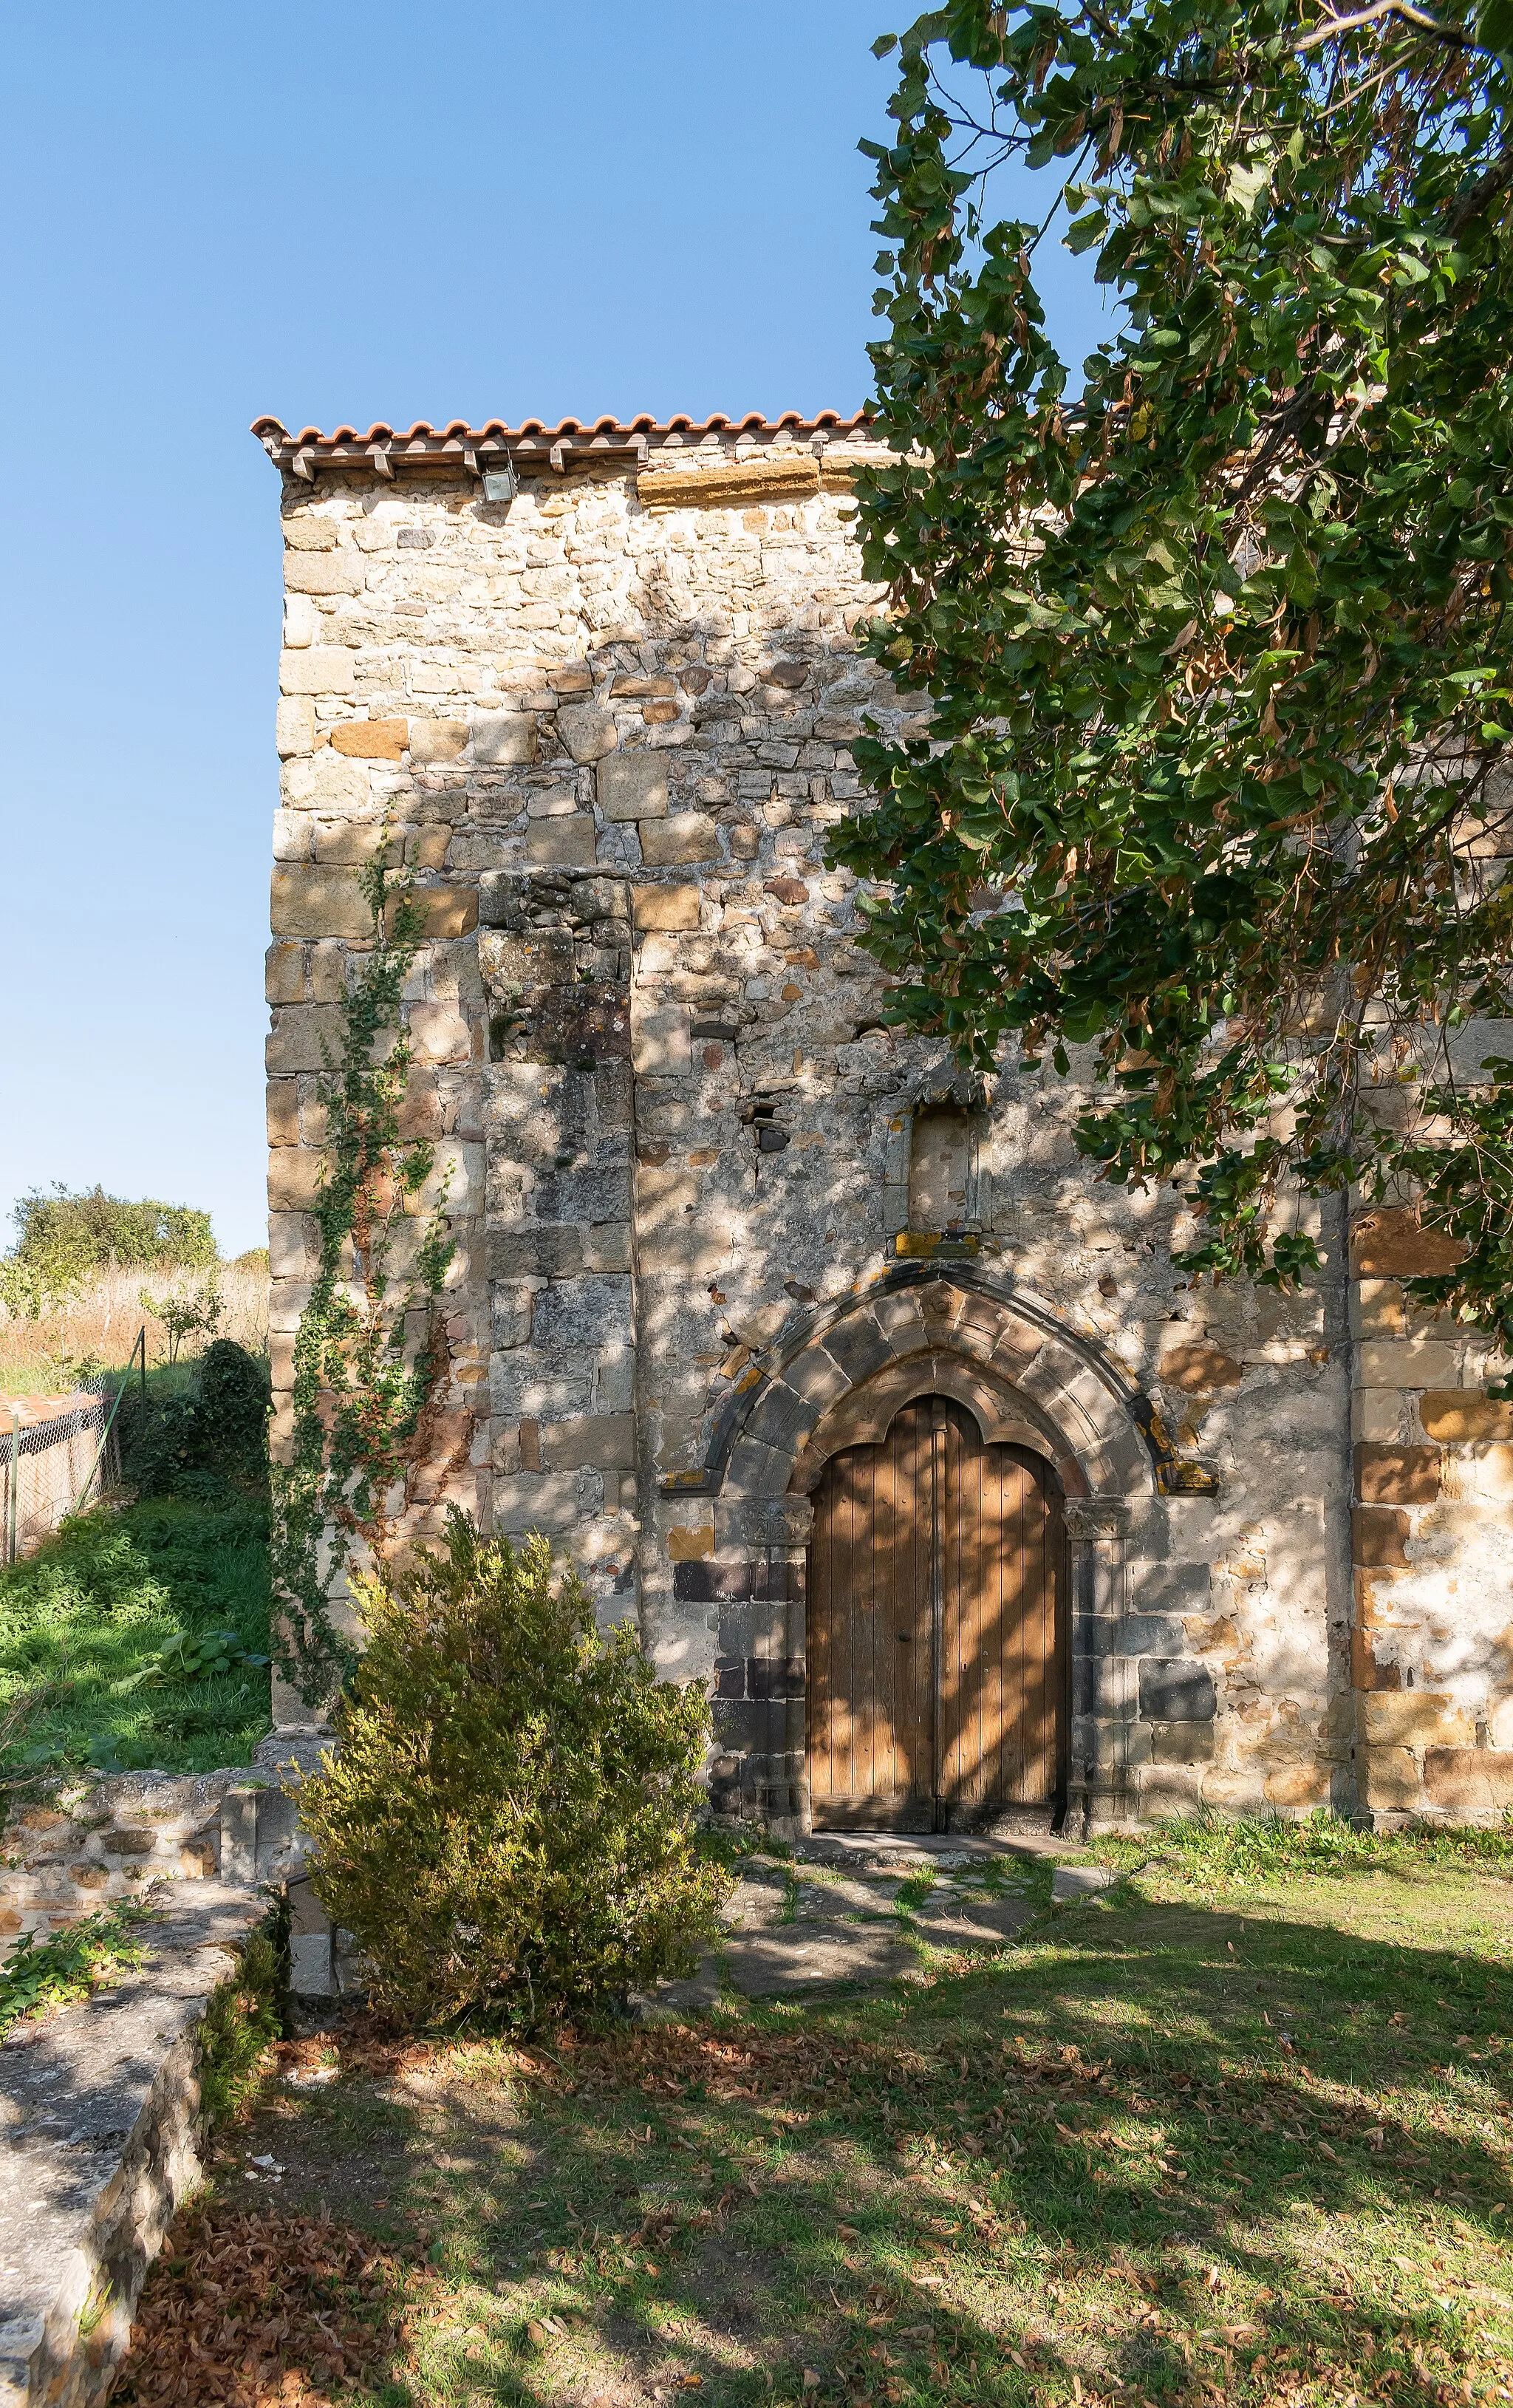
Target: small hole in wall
x=762, y=1115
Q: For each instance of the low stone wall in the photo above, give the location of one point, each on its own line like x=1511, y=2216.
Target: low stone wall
x=99, y=2141
x=93, y=1841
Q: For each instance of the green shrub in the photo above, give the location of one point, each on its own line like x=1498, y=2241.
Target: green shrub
x=67, y=1965
x=507, y=1829
x=234, y=1413
x=242, y=2020
x=169, y=1445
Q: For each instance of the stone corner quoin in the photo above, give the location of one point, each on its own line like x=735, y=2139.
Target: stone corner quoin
x=716, y=1226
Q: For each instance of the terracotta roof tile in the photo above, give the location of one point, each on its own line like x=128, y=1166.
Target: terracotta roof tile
x=27, y=1410
x=458, y=429
x=382, y=447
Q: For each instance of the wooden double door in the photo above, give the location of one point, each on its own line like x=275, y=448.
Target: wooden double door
x=938, y=1661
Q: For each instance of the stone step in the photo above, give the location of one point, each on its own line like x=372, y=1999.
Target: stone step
x=793, y=1931
x=906, y=1853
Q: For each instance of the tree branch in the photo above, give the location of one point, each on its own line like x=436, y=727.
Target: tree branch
x=1374, y=16
x=1487, y=187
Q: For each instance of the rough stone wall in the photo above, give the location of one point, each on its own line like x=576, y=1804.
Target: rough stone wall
x=1432, y=1646
x=100, y=1839
x=702, y=1197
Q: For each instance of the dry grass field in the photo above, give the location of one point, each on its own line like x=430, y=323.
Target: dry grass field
x=98, y=1326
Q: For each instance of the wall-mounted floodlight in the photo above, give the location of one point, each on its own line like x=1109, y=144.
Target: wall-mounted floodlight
x=500, y=485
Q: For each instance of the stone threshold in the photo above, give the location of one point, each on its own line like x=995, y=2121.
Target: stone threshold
x=932, y=1851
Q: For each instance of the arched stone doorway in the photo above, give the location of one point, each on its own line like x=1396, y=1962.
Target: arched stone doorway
x=835, y=1381
x=937, y=1659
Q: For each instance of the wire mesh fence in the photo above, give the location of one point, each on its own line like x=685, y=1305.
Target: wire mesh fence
x=55, y=1450
x=48, y=1450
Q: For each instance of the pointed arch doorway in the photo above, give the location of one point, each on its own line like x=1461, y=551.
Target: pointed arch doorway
x=938, y=1652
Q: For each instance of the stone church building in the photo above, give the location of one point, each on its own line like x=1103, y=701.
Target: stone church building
x=836, y=1368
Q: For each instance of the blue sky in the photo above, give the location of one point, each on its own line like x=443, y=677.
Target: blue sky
x=330, y=214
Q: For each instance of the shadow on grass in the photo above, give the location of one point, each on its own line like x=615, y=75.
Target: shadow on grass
x=1171, y=2153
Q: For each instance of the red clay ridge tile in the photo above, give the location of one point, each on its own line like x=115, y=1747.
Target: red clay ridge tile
x=383, y=447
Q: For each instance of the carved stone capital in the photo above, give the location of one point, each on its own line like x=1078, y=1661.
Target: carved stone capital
x=1096, y=1517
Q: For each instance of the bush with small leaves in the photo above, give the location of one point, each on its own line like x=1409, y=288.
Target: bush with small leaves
x=507, y=1828
x=196, y=1444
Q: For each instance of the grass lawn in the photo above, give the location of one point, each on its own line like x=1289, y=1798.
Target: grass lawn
x=1240, y=2132
x=84, y=1622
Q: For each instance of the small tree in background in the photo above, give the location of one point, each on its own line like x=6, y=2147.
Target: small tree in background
x=507, y=1829
x=187, y=1316
x=66, y=1238
x=1218, y=641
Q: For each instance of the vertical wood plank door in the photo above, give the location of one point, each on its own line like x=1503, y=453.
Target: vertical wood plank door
x=1001, y=1706
x=937, y=1663
x=871, y=1717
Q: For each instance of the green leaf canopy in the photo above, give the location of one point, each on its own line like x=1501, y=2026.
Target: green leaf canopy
x=1216, y=647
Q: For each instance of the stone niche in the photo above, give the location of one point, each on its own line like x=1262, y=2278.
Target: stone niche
x=943, y=1168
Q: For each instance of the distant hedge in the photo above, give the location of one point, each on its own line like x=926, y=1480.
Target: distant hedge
x=66, y=1235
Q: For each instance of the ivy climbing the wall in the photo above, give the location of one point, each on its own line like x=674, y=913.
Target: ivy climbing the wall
x=371, y=1356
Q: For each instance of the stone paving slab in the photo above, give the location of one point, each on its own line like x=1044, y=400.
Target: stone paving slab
x=1081, y=1881
x=954, y=1919
x=829, y=1899
x=904, y=1852
x=791, y=1958
x=792, y=1929
x=753, y=1904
